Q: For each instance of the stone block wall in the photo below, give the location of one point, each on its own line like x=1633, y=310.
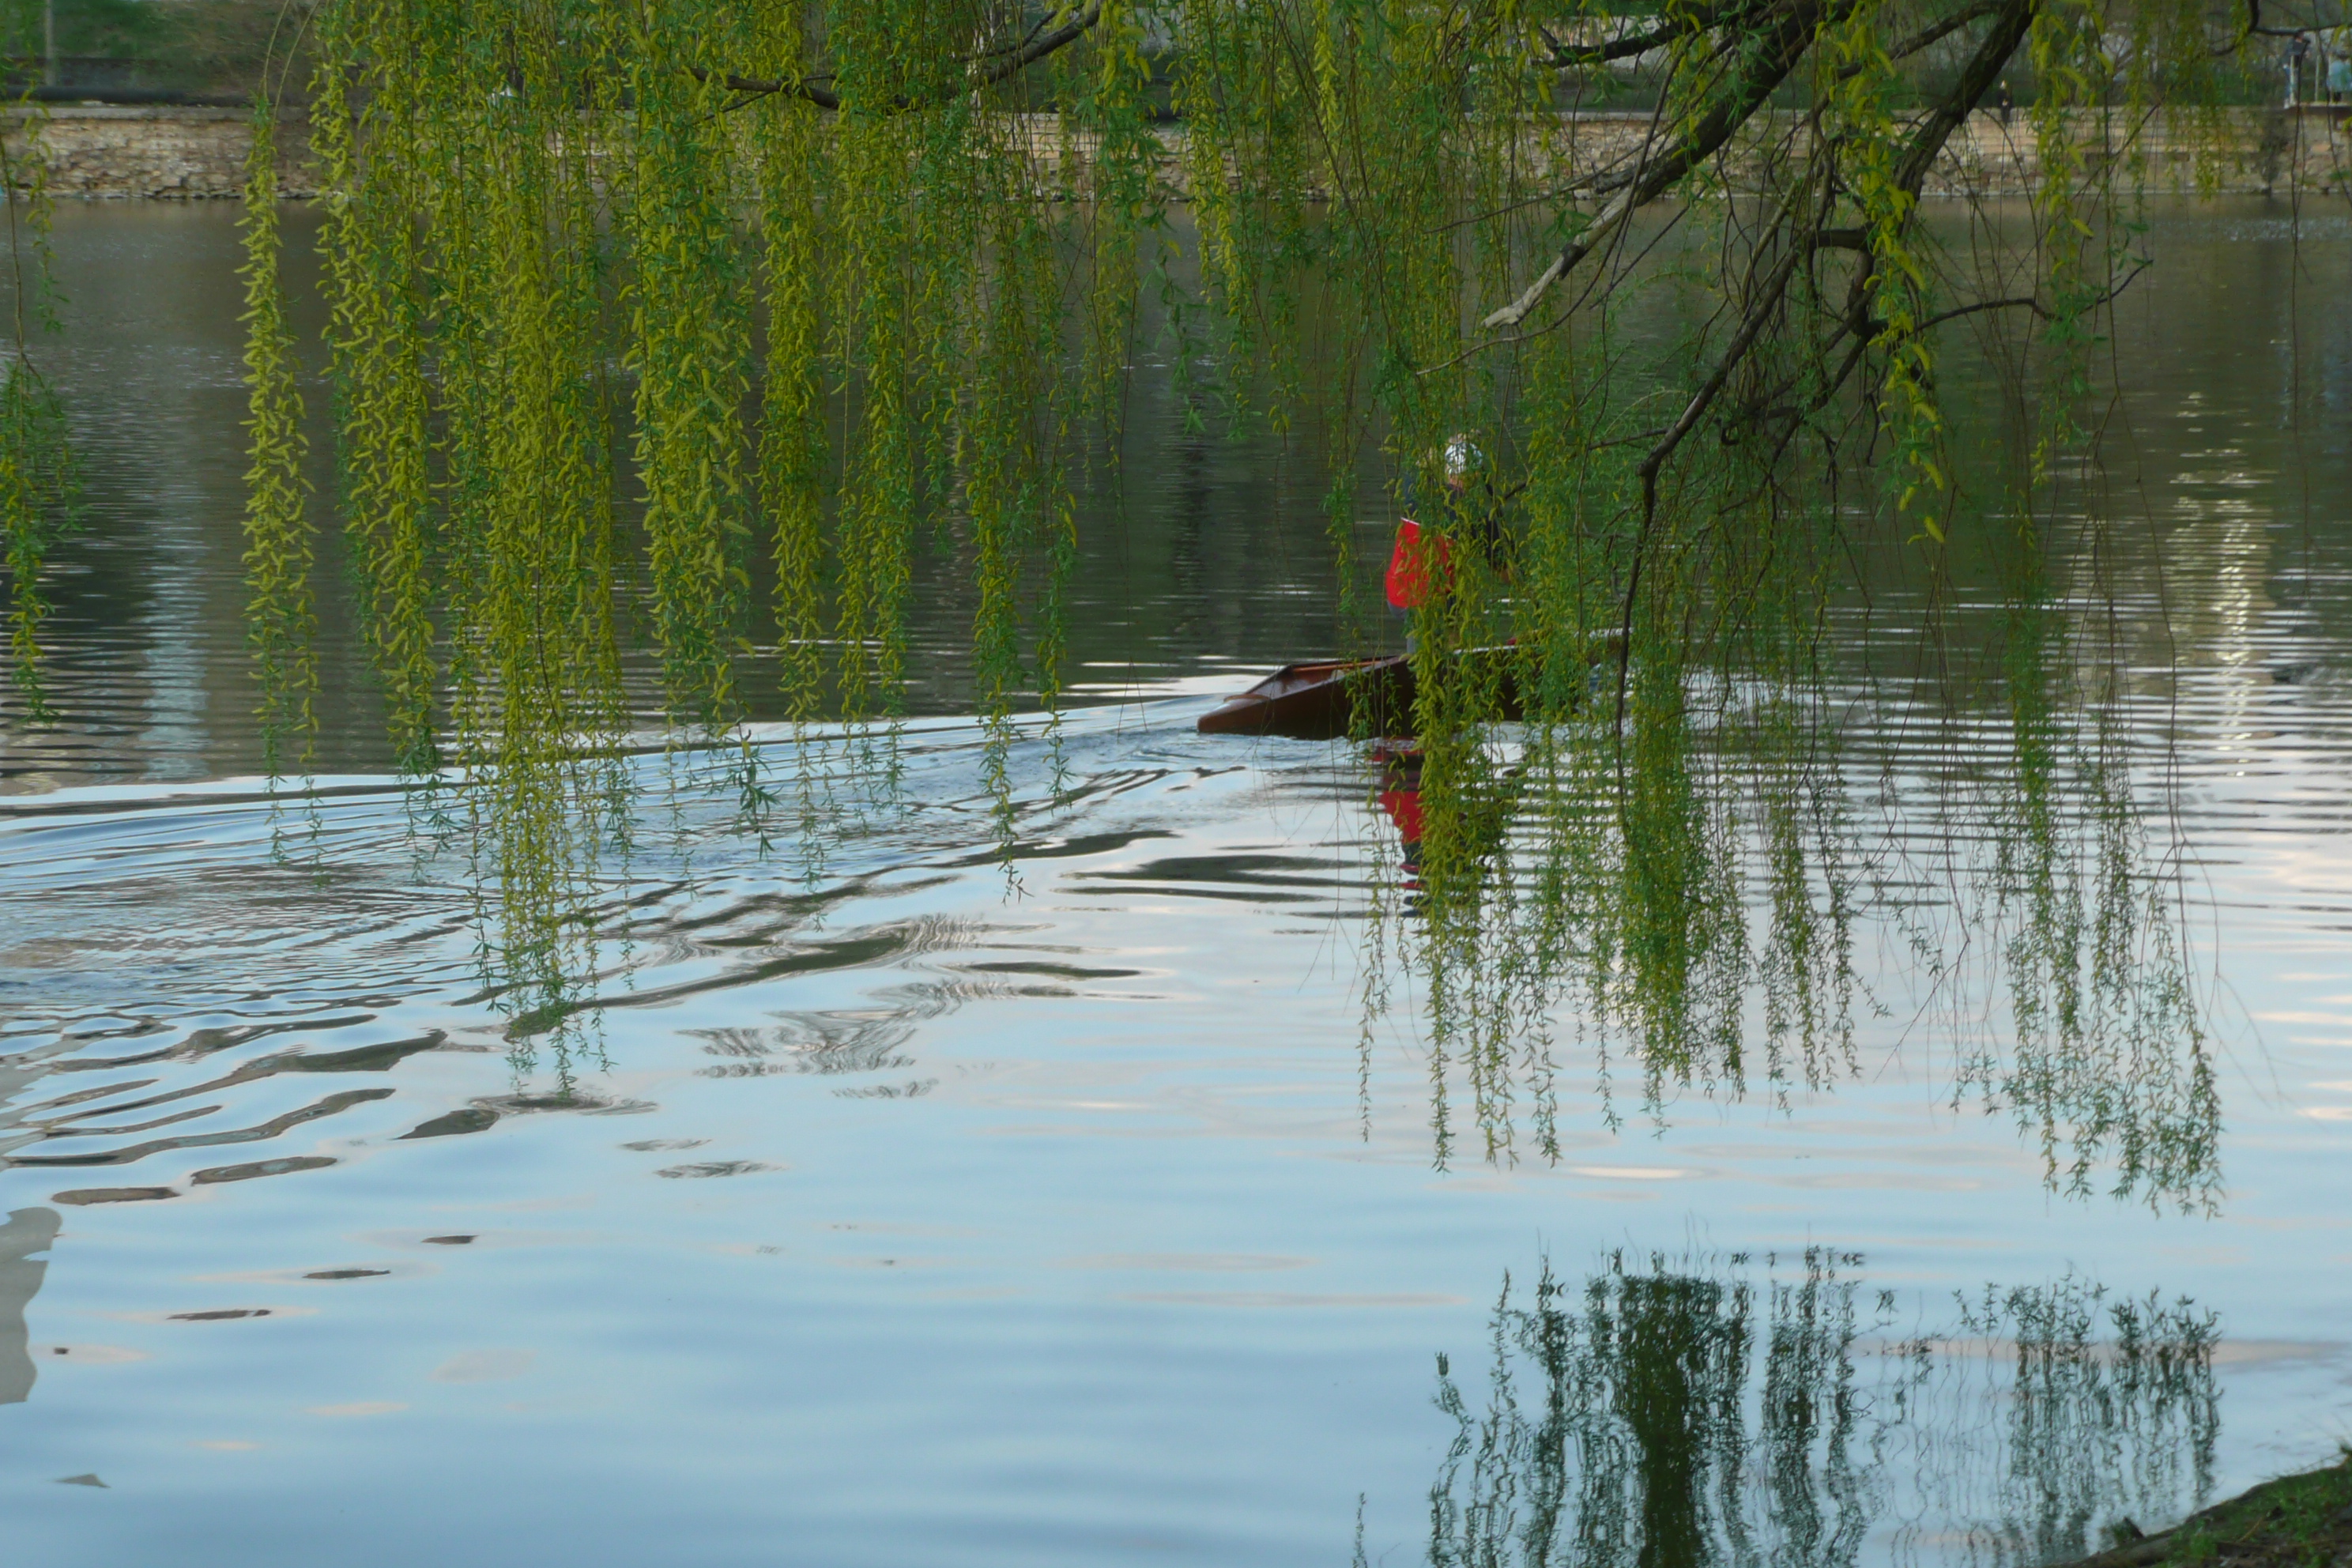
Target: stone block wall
x=173, y=154
x=191, y=153
x=2225, y=152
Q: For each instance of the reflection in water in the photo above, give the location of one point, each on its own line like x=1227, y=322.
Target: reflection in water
x=27, y=1231
x=2107, y=1061
x=155, y=963
x=859, y=1042
x=1688, y=901
x=1664, y=879
x=1400, y=797
x=2110, y=1410
x=1702, y=1411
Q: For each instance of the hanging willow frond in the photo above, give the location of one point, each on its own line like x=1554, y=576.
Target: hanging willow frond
x=40, y=477
x=277, y=530
x=633, y=303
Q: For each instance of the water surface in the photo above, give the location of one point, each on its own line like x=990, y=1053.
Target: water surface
x=879, y=1213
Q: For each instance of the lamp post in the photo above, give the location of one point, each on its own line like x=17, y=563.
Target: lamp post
x=49, y=43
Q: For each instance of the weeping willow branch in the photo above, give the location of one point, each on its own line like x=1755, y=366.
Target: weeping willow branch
x=1934, y=33
x=1923, y=39
x=1774, y=55
x=278, y=553
x=2012, y=20
x=860, y=308
x=40, y=477
x=1003, y=64
x=1910, y=172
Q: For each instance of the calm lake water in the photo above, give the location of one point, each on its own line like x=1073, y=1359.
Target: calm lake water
x=887, y=1216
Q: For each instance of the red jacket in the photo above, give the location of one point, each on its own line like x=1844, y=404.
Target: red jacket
x=1419, y=555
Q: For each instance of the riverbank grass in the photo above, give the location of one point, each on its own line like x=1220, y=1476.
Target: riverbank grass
x=2296, y=1521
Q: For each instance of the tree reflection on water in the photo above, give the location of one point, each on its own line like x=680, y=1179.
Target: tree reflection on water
x=1706, y=1411
x=1683, y=913
x=1685, y=890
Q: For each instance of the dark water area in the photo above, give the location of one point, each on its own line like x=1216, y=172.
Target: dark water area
x=875, y=1211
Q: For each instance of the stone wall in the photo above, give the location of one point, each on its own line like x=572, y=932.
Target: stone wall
x=102, y=152
x=99, y=152
x=2242, y=151
x=2239, y=152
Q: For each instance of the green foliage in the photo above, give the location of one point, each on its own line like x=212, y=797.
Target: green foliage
x=383, y=400
x=190, y=46
x=2295, y=1521
x=278, y=533
x=37, y=483
x=119, y=28
x=40, y=479
x=632, y=305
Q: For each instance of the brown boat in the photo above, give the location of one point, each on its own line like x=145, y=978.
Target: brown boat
x=1323, y=699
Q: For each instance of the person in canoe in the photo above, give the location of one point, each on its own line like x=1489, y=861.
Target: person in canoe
x=1468, y=511
x=1328, y=697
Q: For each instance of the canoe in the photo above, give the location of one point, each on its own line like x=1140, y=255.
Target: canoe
x=1322, y=699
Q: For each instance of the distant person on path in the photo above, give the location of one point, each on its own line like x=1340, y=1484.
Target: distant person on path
x=2003, y=102
x=2335, y=48
x=2297, y=53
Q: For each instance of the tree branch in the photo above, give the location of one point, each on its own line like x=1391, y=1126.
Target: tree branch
x=1780, y=49
x=1768, y=300
x=2011, y=19
x=1566, y=58
x=1603, y=182
x=1004, y=65
x=1934, y=33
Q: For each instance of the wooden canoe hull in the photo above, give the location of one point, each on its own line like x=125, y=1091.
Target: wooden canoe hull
x=1323, y=699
